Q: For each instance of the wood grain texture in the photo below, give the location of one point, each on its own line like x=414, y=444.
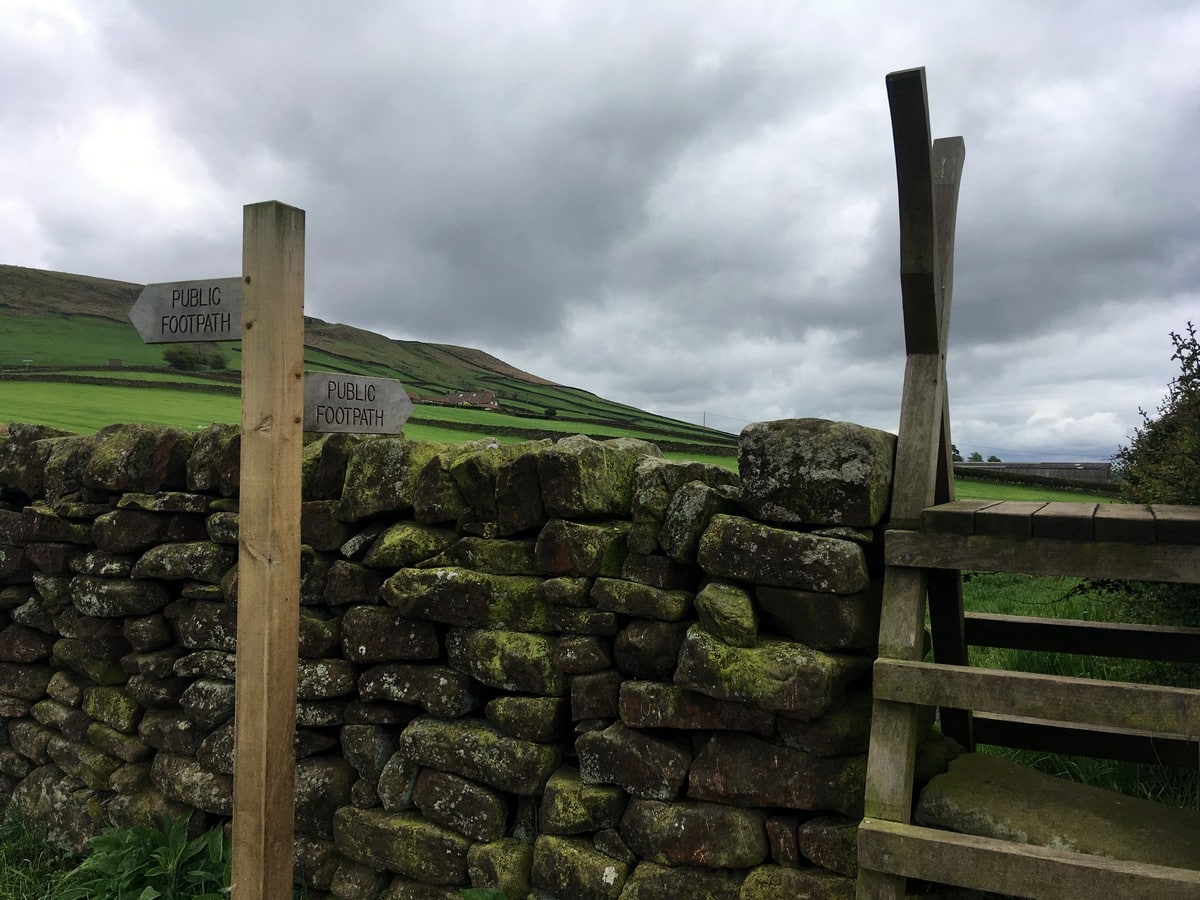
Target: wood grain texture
x=1162, y=643
x=1022, y=870
x=1107, y=742
x=1138, y=707
x=1176, y=563
x=268, y=607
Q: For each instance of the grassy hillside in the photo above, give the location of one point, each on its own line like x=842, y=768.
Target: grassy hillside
x=59, y=332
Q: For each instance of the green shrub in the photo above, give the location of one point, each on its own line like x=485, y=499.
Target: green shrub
x=148, y=863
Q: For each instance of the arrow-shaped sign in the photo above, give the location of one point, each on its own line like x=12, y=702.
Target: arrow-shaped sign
x=354, y=403
x=183, y=311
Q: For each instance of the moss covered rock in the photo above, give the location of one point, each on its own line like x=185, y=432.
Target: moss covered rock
x=509, y=660
x=814, y=471
x=407, y=543
x=695, y=834
x=585, y=478
x=381, y=476
x=784, y=676
x=407, y=843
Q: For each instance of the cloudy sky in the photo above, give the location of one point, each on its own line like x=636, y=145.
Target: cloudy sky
x=686, y=206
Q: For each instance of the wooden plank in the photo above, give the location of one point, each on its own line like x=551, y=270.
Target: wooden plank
x=1161, y=643
x=946, y=628
x=1137, y=707
x=919, y=267
x=1022, y=870
x=1176, y=524
x=1065, y=521
x=957, y=517
x=946, y=162
x=1085, y=559
x=1008, y=519
x=1079, y=740
x=1125, y=523
x=268, y=609
x=893, y=726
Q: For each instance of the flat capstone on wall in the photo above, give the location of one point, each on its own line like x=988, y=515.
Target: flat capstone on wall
x=566, y=669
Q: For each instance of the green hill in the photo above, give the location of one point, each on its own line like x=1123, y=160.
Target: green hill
x=70, y=357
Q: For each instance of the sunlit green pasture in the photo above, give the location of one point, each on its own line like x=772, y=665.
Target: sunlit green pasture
x=977, y=489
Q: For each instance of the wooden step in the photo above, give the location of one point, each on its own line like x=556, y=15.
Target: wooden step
x=1106, y=522
x=1083, y=701
x=987, y=864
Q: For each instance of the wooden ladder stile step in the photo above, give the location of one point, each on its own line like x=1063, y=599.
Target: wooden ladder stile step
x=1105, y=742
x=1023, y=870
x=1081, y=701
x=1124, y=523
x=1160, y=643
x=1177, y=563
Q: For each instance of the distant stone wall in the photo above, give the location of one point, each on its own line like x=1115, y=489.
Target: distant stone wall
x=573, y=669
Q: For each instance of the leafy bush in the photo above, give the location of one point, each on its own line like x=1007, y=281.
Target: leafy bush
x=190, y=357
x=148, y=863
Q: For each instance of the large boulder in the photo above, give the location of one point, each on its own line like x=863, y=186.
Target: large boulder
x=817, y=472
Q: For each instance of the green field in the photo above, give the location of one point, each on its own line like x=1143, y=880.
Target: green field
x=978, y=489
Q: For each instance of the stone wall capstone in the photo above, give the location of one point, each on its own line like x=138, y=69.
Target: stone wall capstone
x=568, y=669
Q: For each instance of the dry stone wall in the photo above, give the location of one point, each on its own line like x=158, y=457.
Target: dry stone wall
x=569, y=669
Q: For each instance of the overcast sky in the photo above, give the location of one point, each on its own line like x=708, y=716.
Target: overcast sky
x=685, y=206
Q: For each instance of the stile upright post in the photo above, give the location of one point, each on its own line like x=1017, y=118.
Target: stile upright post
x=268, y=609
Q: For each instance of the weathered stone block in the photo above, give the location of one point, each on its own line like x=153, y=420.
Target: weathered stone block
x=996, y=798
x=695, y=834
x=381, y=476
x=112, y=597
x=373, y=634
x=368, y=748
x=407, y=843
x=582, y=549
x=147, y=633
x=493, y=556
x=632, y=599
x=777, y=675
x=502, y=865
x=349, y=583
x=194, y=561
x=745, y=550
x=816, y=471
x=103, y=564
x=125, y=530
x=651, y=881
x=822, y=620
x=208, y=702
x=659, y=571
x=772, y=882
x=139, y=458
x=19, y=644
x=649, y=649
x=585, y=478
x=322, y=786
x=831, y=842
x=571, y=867
x=652, y=704
x=477, y=475
x=89, y=764
x=727, y=612
x=643, y=764
x=203, y=624
x=463, y=597
x=471, y=809
x=844, y=730
x=540, y=719
x=49, y=559
x=71, y=814
x=571, y=807
x=519, y=506
x=323, y=465
x=25, y=681
x=437, y=689
x=508, y=660
x=743, y=770
x=781, y=836
x=67, y=720
x=578, y=654
x=474, y=749
x=114, y=707
x=118, y=744
x=408, y=543
x=688, y=514
x=183, y=779
x=595, y=695
x=143, y=806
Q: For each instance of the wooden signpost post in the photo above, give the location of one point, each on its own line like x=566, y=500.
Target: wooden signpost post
x=265, y=310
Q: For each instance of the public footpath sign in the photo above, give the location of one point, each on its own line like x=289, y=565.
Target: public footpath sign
x=183, y=311
x=354, y=403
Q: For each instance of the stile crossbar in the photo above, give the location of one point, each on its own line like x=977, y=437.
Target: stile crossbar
x=932, y=538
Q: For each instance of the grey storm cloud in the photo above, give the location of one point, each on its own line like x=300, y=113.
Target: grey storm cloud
x=689, y=208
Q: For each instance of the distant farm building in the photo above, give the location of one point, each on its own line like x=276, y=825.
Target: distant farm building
x=477, y=399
